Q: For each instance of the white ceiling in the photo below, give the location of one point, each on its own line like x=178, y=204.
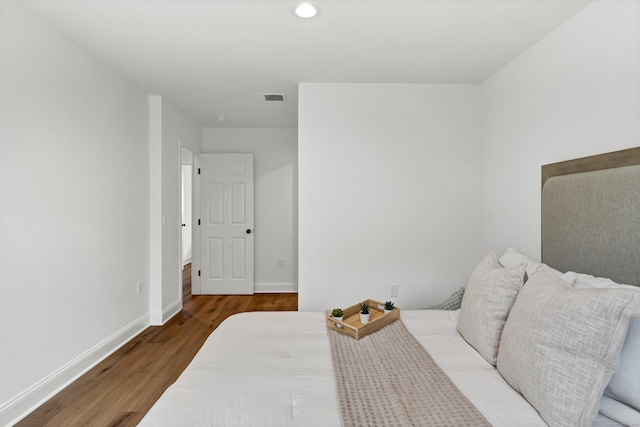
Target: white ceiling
x=216, y=57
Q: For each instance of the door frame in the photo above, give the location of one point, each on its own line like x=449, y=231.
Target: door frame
x=196, y=287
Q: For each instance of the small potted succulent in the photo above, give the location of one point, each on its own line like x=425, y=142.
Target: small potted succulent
x=364, y=313
x=388, y=307
x=337, y=314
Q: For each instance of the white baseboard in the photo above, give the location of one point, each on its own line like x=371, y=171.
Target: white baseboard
x=275, y=287
x=30, y=399
x=160, y=318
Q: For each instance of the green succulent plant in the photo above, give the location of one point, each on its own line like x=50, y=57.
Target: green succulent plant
x=364, y=308
x=336, y=312
x=388, y=305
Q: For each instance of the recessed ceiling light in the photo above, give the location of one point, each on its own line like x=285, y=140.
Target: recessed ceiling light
x=306, y=10
x=221, y=118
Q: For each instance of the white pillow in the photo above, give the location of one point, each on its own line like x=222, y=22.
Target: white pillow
x=512, y=258
x=586, y=281
x=560, y=346
x=625, y=383
x=619, y=412
x=486, y=303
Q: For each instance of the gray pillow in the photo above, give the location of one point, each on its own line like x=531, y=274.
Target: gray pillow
x=451, y=303
x=560, y=346
x=486, y=303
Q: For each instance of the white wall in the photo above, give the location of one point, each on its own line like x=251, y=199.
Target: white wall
x=574, y=94
x=74, y=209
x=275, y=199
x=389, y=192
x=170, y=130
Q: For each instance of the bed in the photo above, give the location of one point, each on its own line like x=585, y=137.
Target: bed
x=532, y=344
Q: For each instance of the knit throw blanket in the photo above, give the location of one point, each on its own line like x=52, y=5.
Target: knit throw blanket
x=388, y=379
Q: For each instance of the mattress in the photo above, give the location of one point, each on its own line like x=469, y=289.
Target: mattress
x=274, y=369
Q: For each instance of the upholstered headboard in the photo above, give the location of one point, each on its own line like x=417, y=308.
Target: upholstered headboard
x=591, y=215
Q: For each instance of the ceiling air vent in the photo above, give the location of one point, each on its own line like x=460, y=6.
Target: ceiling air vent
x=278, y=97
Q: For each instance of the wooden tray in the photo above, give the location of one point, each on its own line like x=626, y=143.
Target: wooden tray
x=351, y=324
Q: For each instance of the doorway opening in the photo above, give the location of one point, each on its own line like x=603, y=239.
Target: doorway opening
x=186, y=284
x=186, y=218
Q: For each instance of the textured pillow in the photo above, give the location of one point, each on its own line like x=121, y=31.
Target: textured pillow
x=625, y=383
x=560, y=346
x=486, y=303
x=451, y=303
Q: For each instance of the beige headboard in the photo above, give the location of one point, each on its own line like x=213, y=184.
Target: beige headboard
x=591, y=215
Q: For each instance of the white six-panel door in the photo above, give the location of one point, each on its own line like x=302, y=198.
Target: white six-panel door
x=225, y=190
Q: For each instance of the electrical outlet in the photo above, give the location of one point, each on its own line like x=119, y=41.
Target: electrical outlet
x=281, y=262
x=138, y=287
x=393, y=290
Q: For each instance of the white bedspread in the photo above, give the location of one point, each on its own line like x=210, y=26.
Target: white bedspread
x=274, y=369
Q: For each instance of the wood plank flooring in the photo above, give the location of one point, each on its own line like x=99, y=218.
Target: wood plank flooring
x=123, y=387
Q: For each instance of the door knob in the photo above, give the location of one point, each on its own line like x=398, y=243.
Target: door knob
x=248, y=231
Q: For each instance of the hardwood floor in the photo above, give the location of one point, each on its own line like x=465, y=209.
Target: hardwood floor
x=123, y=387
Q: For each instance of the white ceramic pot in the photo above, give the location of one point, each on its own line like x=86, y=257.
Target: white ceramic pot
x=364, y=318
x=340, y=319
x=387, y=311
